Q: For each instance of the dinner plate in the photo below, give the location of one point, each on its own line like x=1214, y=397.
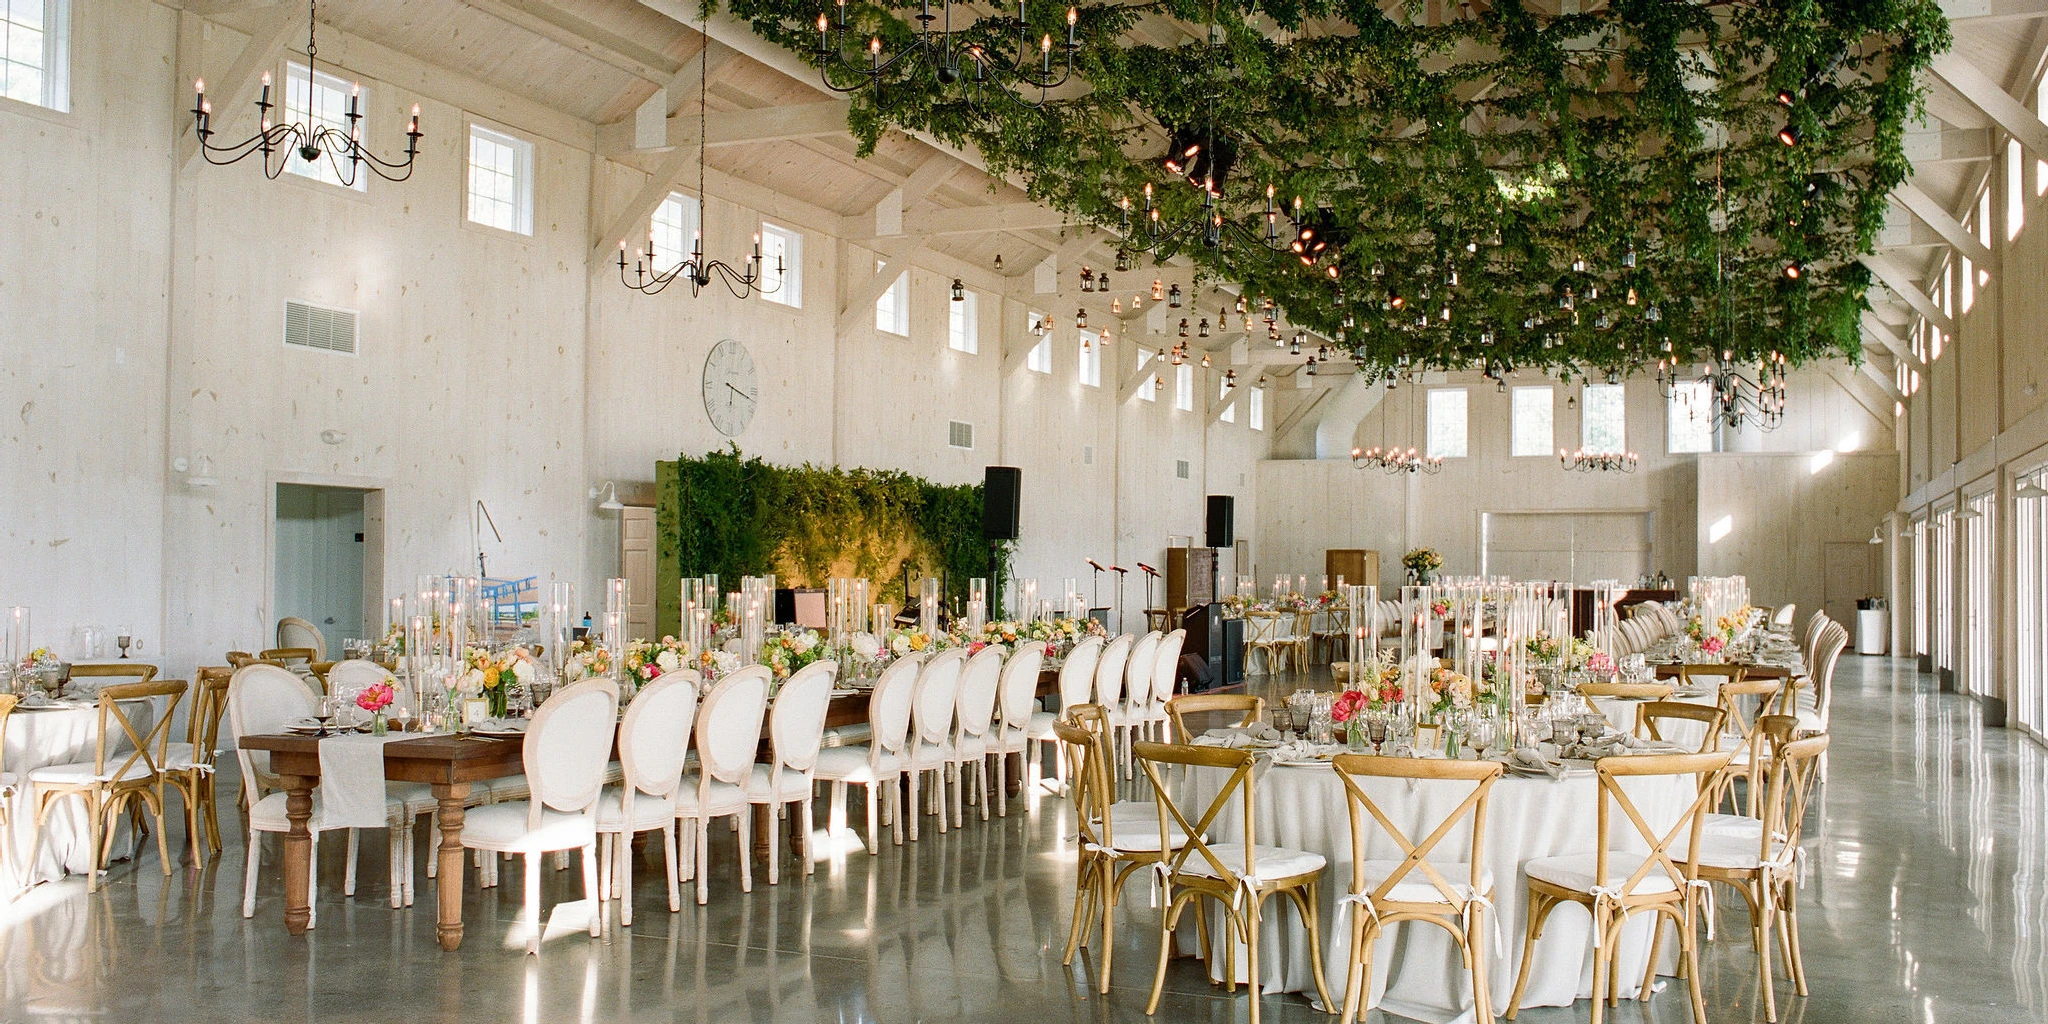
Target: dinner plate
x=844, y=691
x=499, y=730
x=1321, y=761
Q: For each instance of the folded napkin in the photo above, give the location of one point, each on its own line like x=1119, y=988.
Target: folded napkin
x=1238, y=738
x=1606, y=746
x=1531, y=759
x=352, y=781
x=1303, y=750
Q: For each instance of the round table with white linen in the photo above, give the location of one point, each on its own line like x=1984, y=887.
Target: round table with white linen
x=1417, y=971
x=63, y=733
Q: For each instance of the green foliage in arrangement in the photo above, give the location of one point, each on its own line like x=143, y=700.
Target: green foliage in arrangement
x=738, y=516
x=1467, y=163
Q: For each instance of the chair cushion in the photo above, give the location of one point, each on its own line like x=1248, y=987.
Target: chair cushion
x=497, y=791
x=1415, y=887
x=268, y=814
x=649, y=812
x=1733, y=825
x=794, y=786
x=1577, y=872
x=1134, y=828
x=179, y=757
x=1041, y=725
x=930, y=755
x=1729, y=851
x=1273, y=861
x=502, y=827
x=725, y=798
x=968, y=748
x=80, y=773
x=850, y=764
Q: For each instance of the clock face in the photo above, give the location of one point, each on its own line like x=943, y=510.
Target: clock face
x=730, y=391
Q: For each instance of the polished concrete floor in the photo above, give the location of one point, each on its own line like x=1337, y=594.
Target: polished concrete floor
x=1927, y=901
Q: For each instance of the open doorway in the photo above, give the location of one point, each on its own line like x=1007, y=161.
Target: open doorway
x=329, y=555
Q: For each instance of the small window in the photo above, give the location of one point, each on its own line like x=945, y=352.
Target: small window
x=1689, y=418
x=500, y=180
x=1184, y=387
x=962, y=326
x=673, y=231
x=1604, y=430
x=1968, y=298
x=1447, y=423
x=892, y=310
x=1148, y=389
x=1531, y=430
x=1039, y=359
x=1091, y=358
x=35, y=52
x=1229, y=414
x=2015, y=191
x=782, y=266
x=1258, y=409
x=316, y=99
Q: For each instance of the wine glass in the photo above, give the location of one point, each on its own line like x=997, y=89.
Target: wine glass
x=1482, y=731
x=1401, y=729
x=325, y=712
x=123, y=637
x=1376, y=729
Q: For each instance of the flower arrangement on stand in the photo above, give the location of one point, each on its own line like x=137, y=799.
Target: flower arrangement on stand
x=1422, y=565
x=648, y=660
x=374, y=699
x=791, y=648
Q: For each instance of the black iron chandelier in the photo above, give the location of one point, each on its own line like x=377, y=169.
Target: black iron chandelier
x=742, y=282
x=310, y=141
x=1583, y=461
x=1393, y=460
x=948, y=57
x=1735, y=398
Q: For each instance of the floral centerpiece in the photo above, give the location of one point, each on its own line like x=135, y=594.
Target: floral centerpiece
x=648, y=660
x=1422, y=565
x=904, y=642
x=391, y=646
x=1602, y=665
x=587, y=659
x=716, y=663
x=1449, y=690
x=493, y=676
x=791, y=648
x=374, y=699
x=1543, y=649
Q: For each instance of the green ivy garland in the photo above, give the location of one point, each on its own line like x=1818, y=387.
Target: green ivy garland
x=1473, y=167
x=736, y=516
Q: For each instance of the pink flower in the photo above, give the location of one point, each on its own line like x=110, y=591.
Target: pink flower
x=375, y=697
x=1713, y=645
x=1347, y=705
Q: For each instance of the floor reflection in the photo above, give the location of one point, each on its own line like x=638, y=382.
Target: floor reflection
x=1926, y=899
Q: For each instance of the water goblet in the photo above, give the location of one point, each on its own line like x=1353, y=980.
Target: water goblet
x=325, y=712
x=1401, y=729
x=1482, y=731
x=1376, y=729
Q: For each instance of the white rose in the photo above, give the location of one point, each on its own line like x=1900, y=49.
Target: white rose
x=471, y=682
x=726, y=661
x=522, y=670
x=865, y=645
x=900, y=644
x=668, y=661
x=803, y=642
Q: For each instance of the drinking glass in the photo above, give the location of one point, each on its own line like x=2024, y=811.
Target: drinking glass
x=1482, y=731
x=1401, y=729
x=1376, y=729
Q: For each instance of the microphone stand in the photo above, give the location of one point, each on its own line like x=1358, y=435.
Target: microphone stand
x=1121, y=572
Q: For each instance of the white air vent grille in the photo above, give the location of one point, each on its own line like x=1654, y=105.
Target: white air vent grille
x=1088, y=455
x=1180, y=468
x=310, y=326
x=959, y=435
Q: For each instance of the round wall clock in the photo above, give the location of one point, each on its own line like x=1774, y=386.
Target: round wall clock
x=730, y=391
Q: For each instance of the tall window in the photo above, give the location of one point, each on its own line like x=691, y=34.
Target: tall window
x=35, y=52
x=1969, y=296
x=892, y=310
x=1979, y=610
x=1039, y=359
x=2015, y=192
x=785, y=248
x=1689, y=418
x=962, y=327
x=673, y=229
x=1184, y=387
x=316, y=98
x=2030, y=535
x=1229, y=414
x=1091, y=358
x=1530, y=431
x=1148, y=389
x=500, y=180
x=1258, y=409
x=1447, y=423
x=1942, y=584
x=1921, y=602
x=1605, y=426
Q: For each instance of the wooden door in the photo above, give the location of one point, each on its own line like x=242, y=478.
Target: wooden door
x=636, y=564
x=1849, y=571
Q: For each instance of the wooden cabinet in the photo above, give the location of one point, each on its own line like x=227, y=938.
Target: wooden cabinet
x=1358, y=566
x=1190, y=577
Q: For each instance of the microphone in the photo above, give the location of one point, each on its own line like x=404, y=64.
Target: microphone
x=1149, y=571
x=1118, y=568
x=1095, y=565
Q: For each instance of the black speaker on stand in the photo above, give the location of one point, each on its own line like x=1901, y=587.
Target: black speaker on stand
x=1222, y=531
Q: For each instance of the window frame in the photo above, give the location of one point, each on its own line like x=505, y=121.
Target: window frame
x=1515, y=440
x=1184, y=387
x=1088, y=350
x=963, y=325
x=1256, y=420
x=686, y=232
x=1430, y=413
x=54, y=74
x=1684, y=396
x=1229, y=412
x=522, y=178
x=1148, y=389
x=892, y=307
x=788, y=288
x=323, y=170
x=1039, y=358
x=1586, y=398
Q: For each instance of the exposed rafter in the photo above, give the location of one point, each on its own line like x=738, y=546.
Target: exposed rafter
x=591, y=40
x=1952, y=230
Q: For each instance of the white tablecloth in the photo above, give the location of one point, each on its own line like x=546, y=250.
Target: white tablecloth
x=1416, y=969
x=51, y=736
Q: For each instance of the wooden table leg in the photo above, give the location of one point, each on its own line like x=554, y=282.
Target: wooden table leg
x=298, y=851
x=448, y=883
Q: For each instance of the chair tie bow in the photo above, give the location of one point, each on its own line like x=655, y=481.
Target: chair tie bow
x=1706, y=890
x=1604, y=894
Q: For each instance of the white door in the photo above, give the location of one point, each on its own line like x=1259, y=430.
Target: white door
x=636, y=564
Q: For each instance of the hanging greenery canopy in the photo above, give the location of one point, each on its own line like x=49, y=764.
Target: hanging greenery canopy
x=732, y=516
x=1575, y=186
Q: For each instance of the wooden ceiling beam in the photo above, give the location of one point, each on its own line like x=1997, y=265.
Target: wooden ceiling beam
x=1947, y=226
x=232, y=90
x=732, y=127
x=1902, y=285
x=1958, y=73
x=593, y=41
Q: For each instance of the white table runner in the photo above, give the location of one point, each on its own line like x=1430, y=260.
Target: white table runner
x=352, y=781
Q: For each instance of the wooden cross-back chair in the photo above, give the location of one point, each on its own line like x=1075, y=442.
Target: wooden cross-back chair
x=1247, y=707
x=114, y=777
x=1653, y=719
x=1239, y=876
